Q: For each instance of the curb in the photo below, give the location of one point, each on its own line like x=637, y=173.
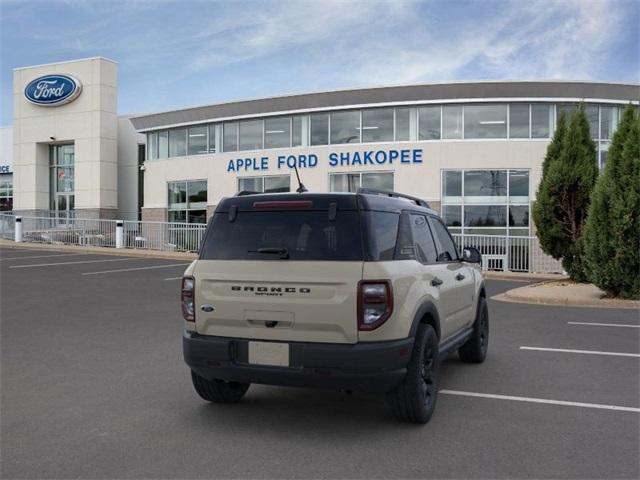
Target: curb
x=513, y=296
x=125, y=252
x=524, y=277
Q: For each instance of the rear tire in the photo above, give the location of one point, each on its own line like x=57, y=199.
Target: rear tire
x=414, y=400
x=475, y=349
x=219, y=391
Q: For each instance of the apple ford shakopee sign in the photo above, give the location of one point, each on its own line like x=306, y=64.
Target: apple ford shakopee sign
x=53, y=90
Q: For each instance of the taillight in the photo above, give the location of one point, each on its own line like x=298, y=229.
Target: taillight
x=186, y=299
x=375, y=303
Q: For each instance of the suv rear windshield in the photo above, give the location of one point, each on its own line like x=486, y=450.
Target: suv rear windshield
x=274, y=235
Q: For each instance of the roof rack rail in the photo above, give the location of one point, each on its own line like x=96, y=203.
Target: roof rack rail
x=390, y=193
x=246, y=192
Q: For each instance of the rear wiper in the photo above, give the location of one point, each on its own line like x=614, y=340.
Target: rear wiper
x=283, y=252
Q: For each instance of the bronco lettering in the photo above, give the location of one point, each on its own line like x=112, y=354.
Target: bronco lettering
x=280, y=290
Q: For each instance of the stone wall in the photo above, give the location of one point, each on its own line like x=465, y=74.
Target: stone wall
x=154, y=214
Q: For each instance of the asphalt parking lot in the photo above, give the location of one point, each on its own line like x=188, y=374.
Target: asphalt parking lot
x=94, y=386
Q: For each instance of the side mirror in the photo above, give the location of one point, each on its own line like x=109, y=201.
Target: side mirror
x=471, y=255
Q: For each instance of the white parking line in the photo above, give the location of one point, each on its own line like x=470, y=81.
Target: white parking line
x=622, y=325
x=41, y=256
x=138, y=268
x=541, y=400
x=588, y=352
x=172, y=278
x=75, y=263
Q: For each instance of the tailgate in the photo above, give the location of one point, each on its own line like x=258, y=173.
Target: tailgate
x=309, y=301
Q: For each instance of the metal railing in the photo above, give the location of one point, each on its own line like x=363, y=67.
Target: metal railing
x=515, y=254
x=7, y=226
x=69, y=231
x=163, y=236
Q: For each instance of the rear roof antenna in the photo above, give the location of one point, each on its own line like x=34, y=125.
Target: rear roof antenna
x=301, y=188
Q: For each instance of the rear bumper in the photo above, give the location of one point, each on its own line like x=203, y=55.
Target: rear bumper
x=371, y=367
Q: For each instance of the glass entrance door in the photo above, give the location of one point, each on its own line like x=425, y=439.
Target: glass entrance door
x=61, y=185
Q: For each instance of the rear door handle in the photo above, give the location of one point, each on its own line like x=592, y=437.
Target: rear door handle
x=436, y=282
x=460, y=277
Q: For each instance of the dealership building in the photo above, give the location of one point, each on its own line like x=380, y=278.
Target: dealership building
x=473, y=150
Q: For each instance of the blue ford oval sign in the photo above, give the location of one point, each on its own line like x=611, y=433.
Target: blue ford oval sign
x=53, y=90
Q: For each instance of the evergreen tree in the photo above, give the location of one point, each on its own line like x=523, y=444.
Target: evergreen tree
x=564, y=194
x=549, y=232
x=612, y=233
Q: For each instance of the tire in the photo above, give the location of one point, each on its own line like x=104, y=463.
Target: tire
x=414, y=400
x=475, y=349
x=219, y=391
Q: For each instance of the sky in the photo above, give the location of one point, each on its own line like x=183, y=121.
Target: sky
x=176, y=54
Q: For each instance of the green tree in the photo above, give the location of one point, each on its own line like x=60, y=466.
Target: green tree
x=563, y=196
x=612, y=233
x=548, y=230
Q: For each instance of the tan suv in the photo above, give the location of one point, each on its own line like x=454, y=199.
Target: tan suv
x=352, y=291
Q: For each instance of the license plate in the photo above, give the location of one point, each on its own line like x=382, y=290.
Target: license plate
x=269, y=353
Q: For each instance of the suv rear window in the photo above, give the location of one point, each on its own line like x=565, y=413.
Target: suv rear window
x=304, y=235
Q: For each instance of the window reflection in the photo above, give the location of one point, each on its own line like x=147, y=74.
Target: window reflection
x=178, y=142
x=320, y=129
x=345, y=127
x=230, y=137
x=377, y=125
x=485, y=121
x=251, y=135
x=452, y=121
x=429, y=123
x=519, y=120
x=403, y=124
x=277, y=132
x=541, y=120
x=485, y=185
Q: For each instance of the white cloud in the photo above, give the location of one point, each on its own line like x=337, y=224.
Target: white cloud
x=540, y=39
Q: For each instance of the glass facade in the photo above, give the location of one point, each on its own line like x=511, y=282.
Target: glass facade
x=403, y=124
x=519, y=120
x=187, y=201
x=345, y=127
x=319, y=129
x=270, y=184
x=251, y=135
x=429, y=123
x=230, y=137
x=197, y=140
x=350, y=182
x=277, y=132
x=541, y=120
x=178, y=142
x=487, y=202
x=452, y=121
x=377, y=125
x=485, y=121
x=383, y=124
x=6, y=192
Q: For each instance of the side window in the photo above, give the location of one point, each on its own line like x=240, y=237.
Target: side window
x=382, y=234
x=447, y=251
x=423, y=241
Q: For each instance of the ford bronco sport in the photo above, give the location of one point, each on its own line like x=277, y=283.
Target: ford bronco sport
x=353, y=291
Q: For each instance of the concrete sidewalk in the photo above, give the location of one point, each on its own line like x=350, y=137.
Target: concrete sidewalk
x=128, y=252
x=565, y=292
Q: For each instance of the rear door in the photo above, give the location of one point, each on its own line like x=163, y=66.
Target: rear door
x=280, y=273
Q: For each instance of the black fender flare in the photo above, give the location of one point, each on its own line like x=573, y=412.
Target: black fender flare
x=482, y=291
x=427, y=307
